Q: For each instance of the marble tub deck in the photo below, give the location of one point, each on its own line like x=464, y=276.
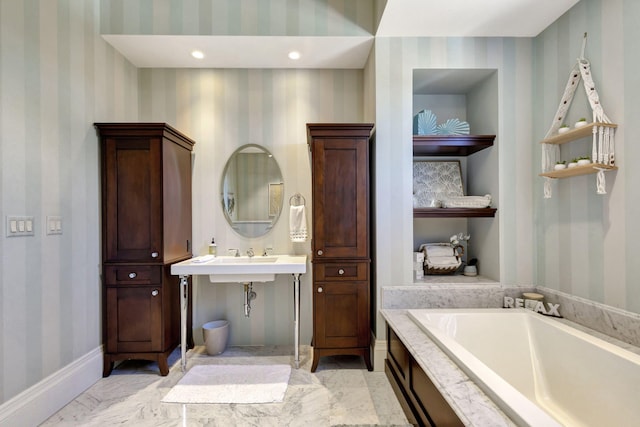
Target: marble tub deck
x=340, y=392
x=469, y=402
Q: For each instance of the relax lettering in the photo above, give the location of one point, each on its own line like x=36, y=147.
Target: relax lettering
x=537, y=306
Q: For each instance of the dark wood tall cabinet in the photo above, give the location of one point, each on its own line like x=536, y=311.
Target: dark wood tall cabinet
x=341, y=253
x=146, y=227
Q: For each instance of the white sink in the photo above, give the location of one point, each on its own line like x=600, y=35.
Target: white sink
x=230, y=269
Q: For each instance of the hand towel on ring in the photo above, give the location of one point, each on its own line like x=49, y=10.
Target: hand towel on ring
x=298, y=224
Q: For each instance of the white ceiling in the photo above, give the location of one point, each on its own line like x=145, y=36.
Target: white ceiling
x=242, y=51
x=401, y=18
x=440, y=81
x=470, y=18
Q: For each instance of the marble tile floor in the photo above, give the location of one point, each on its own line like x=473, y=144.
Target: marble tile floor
x=340, y=392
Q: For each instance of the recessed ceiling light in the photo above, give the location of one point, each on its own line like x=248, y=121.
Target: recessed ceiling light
x=294, y=54
x=197, y=54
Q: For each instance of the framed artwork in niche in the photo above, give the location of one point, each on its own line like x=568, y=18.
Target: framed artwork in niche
x=436, y=181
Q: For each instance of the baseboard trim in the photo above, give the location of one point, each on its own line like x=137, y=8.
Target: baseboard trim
x=37, y=403
x=379, y=353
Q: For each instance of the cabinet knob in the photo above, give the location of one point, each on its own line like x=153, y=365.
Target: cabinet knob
x=154, y=254
x=132, y=275
x=319, y=289
x=154, y=293
x=320, y=252
x=341, y=272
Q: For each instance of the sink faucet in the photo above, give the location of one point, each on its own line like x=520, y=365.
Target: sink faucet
x=250, y=253
x=234, y=252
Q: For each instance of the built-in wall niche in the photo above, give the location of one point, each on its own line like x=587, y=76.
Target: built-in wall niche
x=469, y=95
x=466, y=94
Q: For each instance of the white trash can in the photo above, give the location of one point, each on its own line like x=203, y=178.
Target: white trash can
x=215, y=336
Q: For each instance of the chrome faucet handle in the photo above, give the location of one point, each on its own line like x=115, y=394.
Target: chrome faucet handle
x=234, y=252
x=250, y=253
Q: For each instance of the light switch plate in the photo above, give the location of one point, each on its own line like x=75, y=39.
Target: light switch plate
x=54, y=225
x=19, y=226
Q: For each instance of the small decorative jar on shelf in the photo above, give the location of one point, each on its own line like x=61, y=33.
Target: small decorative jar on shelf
x=563, y=129
x=562, y=164
x=580, y=123
x=583, y=161
x=471, y=269
x=573, y=163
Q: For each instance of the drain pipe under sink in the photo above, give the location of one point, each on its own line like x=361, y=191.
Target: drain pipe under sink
x=249, y=295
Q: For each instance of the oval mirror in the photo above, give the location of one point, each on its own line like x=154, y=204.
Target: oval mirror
x=252, y=191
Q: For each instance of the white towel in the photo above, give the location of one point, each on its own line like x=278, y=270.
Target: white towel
x=297, y=224
x=437, y=250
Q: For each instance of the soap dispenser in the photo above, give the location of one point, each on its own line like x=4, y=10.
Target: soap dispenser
x=213, y=248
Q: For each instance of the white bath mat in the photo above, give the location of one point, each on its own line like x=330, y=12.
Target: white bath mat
x=231, y=384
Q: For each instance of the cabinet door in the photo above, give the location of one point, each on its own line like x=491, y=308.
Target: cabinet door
x=340, y=197
x=132, y=203
x=134, y=319
x=341, y=314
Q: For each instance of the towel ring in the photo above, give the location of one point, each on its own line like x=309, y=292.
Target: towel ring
x=297, y=200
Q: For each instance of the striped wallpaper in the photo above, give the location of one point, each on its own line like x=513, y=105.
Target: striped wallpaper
x=57, y=77
x=508, y=237
x=578, y=242
x=585, y=242
x=223, y=110
x=239, y=18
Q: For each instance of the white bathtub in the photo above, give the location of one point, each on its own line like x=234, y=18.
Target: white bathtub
x=539, y=371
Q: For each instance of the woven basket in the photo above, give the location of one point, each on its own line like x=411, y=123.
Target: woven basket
x=432, y=269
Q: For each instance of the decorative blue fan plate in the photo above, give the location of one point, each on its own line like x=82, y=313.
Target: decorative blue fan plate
x=424, y=123
x=453, y=127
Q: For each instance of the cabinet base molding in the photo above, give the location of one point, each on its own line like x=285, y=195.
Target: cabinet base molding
x=159, y=357
x=365, y=352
